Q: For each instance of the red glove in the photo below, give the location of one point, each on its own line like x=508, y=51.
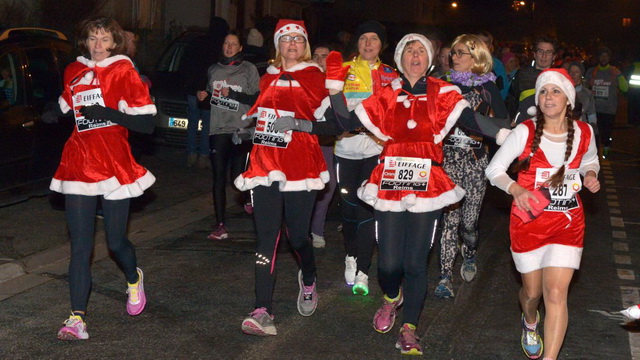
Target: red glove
x=336, y=73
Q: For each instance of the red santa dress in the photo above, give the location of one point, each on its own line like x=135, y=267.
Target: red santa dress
x=413, y=127
x=555, y=238
x=300, y=165
x=97, y=159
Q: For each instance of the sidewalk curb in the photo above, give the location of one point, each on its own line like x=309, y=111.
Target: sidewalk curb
x=144, y=228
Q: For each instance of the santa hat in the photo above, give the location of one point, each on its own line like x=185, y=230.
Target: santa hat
x=288, y=26
x=560, y=78
x=397, y=57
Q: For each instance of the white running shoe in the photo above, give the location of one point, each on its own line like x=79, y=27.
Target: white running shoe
x=350, y=268
x=318, y=241
x=361, y=286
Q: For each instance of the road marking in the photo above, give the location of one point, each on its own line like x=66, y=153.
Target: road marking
x=612, y=197
x=617, y=234
x=613, y=203
x=615, y=211
x=617, y=221
x=626, y=274
x=620, y=246
x=622, y=259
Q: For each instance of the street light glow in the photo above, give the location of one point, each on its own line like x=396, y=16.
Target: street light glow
x=454, y=4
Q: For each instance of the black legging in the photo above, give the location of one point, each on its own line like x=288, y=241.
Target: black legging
x=80, y=213
x=226, y=155
x=357, y=217
x=404, y=241
x=268, y=207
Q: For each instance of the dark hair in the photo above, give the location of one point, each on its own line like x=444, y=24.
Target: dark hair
x=546, y=39
x=558, y=177
x=321, y=45
x=236, y=34
x=106, y=24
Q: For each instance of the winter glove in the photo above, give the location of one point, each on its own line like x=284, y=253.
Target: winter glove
x=287, y=123
x=336, y=73
x=240, y=135
x=141, y=123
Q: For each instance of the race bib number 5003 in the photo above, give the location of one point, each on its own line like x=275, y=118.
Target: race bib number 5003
x=405, y=173
x=265, y=135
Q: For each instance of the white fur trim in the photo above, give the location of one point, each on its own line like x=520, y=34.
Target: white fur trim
x=502, y=135
x=288, y=29
x=89, y=76
x=369, y=194
x=448, y=88
x=287, y=137
x=104, y=63
x=451, y=120
x=110, y=188
x=553, y=76
x=334, y=84
x=366, y=121
x=552, y=255
x=396, y=84
x=273, y=70
x=300, y=66
x=406, y=103
x=141, y=110
x=309, y=184
x=411, y=124
x=64, y=107
x=532, y=111
x=397, y=57
x=324, y=105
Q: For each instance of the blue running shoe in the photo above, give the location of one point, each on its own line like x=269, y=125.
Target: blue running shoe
x=531, y=341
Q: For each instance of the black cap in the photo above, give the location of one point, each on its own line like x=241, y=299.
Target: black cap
x=374, y=27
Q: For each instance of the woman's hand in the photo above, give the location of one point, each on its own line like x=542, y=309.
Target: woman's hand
x=591, y=181
x=202, y=95
x=521, y=197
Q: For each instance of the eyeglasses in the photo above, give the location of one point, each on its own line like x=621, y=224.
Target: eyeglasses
x=545, y=52
x=458, y=53
x=289, y=38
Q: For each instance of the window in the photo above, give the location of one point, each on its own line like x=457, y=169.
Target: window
x=8, y=83
x=626, y=22
x=44, y=75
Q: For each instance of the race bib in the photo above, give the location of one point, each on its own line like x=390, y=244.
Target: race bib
x=601, y=90
x=87, y=98
x=405, y=173
x=220, y=101
x=459, y=139
x=265, y=135
x=562, y=197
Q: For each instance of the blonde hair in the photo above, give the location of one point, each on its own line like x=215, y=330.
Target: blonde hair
x=306, y=56
x=483, y=61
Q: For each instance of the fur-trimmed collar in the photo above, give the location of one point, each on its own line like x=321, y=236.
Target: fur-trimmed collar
x=104, y=63
x=303, y=65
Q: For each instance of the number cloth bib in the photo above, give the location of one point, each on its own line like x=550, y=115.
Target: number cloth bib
x=265, y=135
x=405, y=173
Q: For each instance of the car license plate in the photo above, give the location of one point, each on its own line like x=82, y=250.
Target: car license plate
x=178, y=123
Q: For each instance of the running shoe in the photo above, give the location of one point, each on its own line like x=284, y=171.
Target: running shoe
x=385, y=317
x=318, y=241
x=469, y=268
x=307, y=297
x=350, y=268
x=248, y=208
x=361, y=286
x=220, y=233
x=137, y=299
x=531, y=341
x=259, y=323
x=408, y=342
x=74, y=329
x=444, y=290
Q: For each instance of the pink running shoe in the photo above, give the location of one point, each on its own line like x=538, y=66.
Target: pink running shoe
x=408, y=342
x=74, y=329
x=137, y=299
x=386, y=315
x=220, y=233
x=259, y=323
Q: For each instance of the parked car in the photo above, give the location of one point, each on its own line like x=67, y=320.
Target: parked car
x=182, y=70
x=32, y=62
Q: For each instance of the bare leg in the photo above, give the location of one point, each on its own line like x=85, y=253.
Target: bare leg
x=530, y=294
x=555, y=290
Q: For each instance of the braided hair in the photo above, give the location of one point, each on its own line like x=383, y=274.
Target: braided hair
x=558, y=177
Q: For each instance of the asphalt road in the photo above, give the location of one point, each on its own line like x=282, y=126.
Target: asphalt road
x=199, y=291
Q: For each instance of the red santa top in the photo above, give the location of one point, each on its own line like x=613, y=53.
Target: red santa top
x=414, y=127
x=97, y=159
x=299, y=166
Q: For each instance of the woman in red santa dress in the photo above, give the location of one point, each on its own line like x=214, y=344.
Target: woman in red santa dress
x=108, y=99
x=408, y=188
x=552, y=150
x=285, y=171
